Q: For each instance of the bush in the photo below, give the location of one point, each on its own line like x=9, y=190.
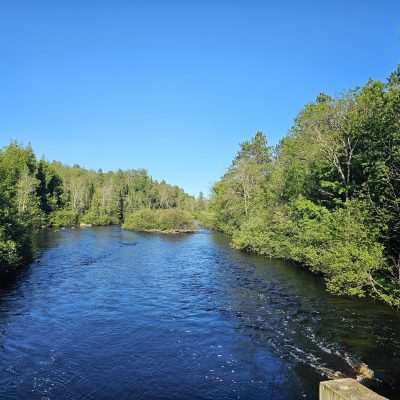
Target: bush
x=207, y=219
x=99, y=219
x=338, y=244
x=65, y=218
x=9, y=255
x=168, y=220
x=15, y=246
x=264, y=233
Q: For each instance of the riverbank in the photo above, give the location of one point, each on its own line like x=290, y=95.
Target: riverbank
x=36, y=194
x=158, y=316
x=283, y=204
x=165, y=232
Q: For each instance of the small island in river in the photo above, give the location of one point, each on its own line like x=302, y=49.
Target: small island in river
x=167, y=221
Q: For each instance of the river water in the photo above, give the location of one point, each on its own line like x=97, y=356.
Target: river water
x=104, y=313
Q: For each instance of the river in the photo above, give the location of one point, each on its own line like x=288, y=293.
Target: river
x=104, y=313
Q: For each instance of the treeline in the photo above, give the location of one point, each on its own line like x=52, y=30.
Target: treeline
x=328, y=196
x=36, y=193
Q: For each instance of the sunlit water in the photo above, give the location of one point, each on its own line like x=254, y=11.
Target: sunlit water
x=108, y=314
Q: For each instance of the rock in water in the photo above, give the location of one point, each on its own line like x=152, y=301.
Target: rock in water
x=363, y=372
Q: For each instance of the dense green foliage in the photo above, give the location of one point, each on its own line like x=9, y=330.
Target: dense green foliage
x=328, y=196
x=160, y=220
x=36, y=193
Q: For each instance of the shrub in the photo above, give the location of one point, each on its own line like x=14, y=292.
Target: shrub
x=99, y=219
x=264, y=233
x=338, y=244
x=207, y=219
x=65, y=218
x=9, y=255
x=162, y=220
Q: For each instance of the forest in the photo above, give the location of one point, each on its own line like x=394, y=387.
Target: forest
x=36, y=194
x=327, y=196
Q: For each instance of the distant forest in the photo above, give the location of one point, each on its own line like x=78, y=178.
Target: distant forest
x=328, y=196
x=36, y=194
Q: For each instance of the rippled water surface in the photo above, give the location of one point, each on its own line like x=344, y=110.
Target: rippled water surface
x=108, y=314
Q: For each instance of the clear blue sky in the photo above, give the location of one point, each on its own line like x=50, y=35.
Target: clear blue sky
x=175, y=86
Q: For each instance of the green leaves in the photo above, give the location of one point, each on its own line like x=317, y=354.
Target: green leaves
x=329, y=197
x=337, y=244
x=168, y=220
x=63, y=218
x=242, y=189
x=19, y=209
x=36, y=194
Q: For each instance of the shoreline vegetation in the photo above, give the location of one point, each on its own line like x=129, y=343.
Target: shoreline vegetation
x=166, y=221
x=327, y=196
x=37, y=194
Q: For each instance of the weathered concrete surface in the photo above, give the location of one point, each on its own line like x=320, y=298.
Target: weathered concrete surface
x=346, y=389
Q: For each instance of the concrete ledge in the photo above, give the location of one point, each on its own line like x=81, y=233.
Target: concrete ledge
x=346, y=389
